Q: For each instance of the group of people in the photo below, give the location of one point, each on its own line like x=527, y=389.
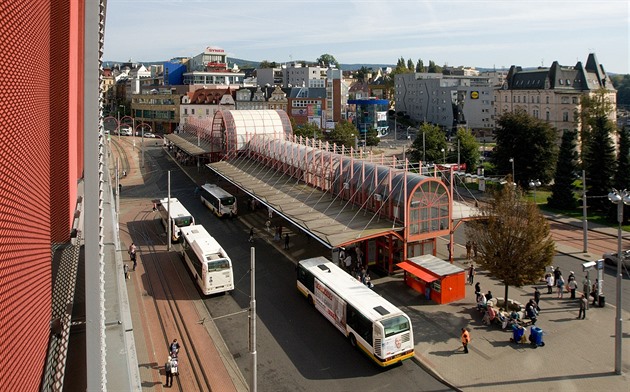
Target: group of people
x=171, y=367
x=132, y=257
x=356, y=268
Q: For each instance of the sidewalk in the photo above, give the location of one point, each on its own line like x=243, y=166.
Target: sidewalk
x=578, y=354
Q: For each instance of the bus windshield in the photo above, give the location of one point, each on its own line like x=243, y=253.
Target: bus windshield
x=227, y=201
x=183, y=221
x=395, y=325
x=218, y=265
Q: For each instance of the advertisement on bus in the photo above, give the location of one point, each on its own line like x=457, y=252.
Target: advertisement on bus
x=330, y=305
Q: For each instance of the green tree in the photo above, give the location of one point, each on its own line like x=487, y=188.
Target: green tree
x=530, y=142
x=599, y=162
x=327, y=60
x=434, y=142
x=562, y=196
x=513, y=238
x=622, y=85
x=591, y=107
x=267, y=64
x=433, y=68
x=410, y=65
x=419, y=66
x=372, y=139
x=362, y=73
x=468, y=149
x=344, y=133
x=309, y=130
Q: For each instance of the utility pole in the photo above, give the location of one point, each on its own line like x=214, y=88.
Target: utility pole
x=584, y=219
x=252, y=323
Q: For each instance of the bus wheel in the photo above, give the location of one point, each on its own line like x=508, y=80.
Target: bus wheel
x=353, y=340
x=310, y=300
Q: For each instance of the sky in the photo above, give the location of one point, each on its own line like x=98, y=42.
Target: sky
x=482, y=34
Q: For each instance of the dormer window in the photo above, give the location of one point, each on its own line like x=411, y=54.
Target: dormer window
x=561, y=81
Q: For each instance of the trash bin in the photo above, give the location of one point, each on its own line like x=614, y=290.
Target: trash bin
x=517, y=333
x=602, y=301
x=536, y=336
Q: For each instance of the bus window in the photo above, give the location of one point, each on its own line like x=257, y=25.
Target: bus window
x=395, y=325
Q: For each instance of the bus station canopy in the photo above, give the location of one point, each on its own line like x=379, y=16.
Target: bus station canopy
x=332, y=221
x=188, y=143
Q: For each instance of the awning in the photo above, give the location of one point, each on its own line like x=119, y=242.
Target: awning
x=188, y=143
x=415, y=271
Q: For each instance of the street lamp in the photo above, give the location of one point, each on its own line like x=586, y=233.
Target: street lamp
x=443, y=156
x=620, y=198
x=513, y=177
x=534, y=184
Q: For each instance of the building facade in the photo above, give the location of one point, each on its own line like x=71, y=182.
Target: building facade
x=448, y=101
x=553, y=94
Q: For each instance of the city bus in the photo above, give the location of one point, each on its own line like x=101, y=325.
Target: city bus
x=218, y=200
x=207, y=261
x=369, y=321
x=180, y=217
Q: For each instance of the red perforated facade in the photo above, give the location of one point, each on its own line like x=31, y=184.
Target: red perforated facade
x=40, y=157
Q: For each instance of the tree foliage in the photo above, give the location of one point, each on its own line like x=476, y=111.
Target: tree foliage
x=531, y=143
x=371, y=138
x=513, y=239
x=267, y=64
x=622, y=85
x=344, y=133
x=434, y=142
x=599, y=162
x=562, y=196
x=410, y=65
x=468, y=149
x=362, y=73
x=308, y=130
x=433, y=68
x=327, y=60
x=420, y=66
x=591, y=107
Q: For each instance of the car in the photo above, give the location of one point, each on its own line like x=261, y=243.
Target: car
x=611, y=258
x=126, y=131
x=149, y=134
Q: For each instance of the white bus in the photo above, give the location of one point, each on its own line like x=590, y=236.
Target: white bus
x=368, y=320
x=180, y=217
x=218, y=200
x=207, y=261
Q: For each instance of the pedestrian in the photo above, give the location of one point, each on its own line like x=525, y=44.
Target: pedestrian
x=549, y=279
x=268, y=225
x=560, y=285
x=126, y=271
x=168, y=370
x=286, y=241
x=572, y=287
x=586, y=285
x=537, y=298
x=342, y=257
x=448, y=247
x=276, y=236
x=474, y=248
x=557, y=274
x=477, y=289
x=173, y=348
x=468, y=249
x=270, y=213
x=132, y=255
x=119, y=189
x=471, y=274
x=489, y=295
x=530, y=311
x=583, y=307
x=251, y=234
x=595, y=292
x=465, y=339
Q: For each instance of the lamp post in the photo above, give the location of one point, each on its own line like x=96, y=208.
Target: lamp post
x=620, y=198
x=424, y=149
x=513, y=177
x=443, y=156
x=123, y=107
x=534, y=184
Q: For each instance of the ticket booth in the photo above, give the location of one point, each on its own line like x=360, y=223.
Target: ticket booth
x=435, y=278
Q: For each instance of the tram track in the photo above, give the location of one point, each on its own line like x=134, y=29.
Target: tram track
x=166, y=284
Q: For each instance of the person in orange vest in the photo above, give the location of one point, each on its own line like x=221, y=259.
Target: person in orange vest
x=465, y=339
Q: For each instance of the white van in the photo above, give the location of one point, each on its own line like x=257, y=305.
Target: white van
x=125, y=131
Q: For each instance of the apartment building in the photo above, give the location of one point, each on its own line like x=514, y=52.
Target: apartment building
x=553, y=94
x=210, y=67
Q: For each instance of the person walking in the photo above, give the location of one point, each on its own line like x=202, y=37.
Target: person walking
x=550, y=280
x=286, y=241
x=465, y=339
x=572, y=287
x=251, y=234
x=132, y=255
x=126, y=271
x=173, y=348
x=583, y=307
x=268, y=225
x=537, y=298
x=168, y=370
x=586, y=285
x=560, y=285
x=471, y=274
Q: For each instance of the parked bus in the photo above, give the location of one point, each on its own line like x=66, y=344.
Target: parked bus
x=218, y=200
x=180, y=217
x=368, y=320
x=207, y=261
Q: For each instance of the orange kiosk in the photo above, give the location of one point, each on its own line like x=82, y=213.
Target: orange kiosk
x=437, y=279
